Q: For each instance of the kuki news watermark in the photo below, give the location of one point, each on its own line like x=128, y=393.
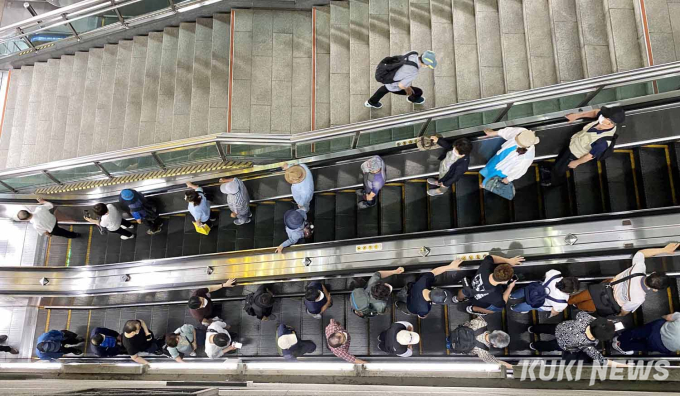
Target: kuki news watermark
x=559, y=370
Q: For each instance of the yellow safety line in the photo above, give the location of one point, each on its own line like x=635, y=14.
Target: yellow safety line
x=670, y=300
x=403, y=208
x=89, y=245
x=446, y=325
x=87, y=332
x=599, y=175
x=347, y=191
x=68, y=320
x=394, y=184
x=429, y=210
x=47, y=322
x=68, y=248
x=481, y=198
x=670, y=174
x=327, y=193
x=417, y=181
x=632, y=166
x=47, y=254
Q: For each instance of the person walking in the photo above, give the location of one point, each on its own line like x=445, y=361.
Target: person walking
x=301, y=184
x=200, y=304
x=374, y=179
x=6, y=348
x=292, y=347
x=514, y=157
x=455, y=161
x=57, y=343
x=472, y=337
x=237, y=199
x=591, y=142
x=186, y=340
x=317, y=299
x=141, y=209
x=661, y=335
x=338, y=342
x=397, y=74
x=417, y=298
x=398, y=339
x=198, y=205
x=112, y=219
x=294, y=220
x=106, y=342
x=44, y=222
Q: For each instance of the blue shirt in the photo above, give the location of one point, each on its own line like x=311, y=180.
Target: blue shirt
x=377, y=183
x=201, y=212
x=295, y=235
x=52, y=335
x=314, y=307
x=303, y=192
x=100, y=350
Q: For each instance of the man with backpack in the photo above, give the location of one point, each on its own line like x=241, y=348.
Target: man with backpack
x=260, y=304
x=472, y=337
x=297, y=227
x=200, y=304
x=397, y=74
x=550, y=296
x=372, y=300
x=398, y=339
x=57, y=343
x=595, y=141
x=627, y=291
x=141, y=209
x=417, y=298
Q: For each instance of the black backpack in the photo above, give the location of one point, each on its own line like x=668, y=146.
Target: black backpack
x=464, y=339
x=389, y=66
x=248, y=305
x=535, y=293
x=610, y=149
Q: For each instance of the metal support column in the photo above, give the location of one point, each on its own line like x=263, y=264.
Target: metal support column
x=103, y=170
x=70, y=26
x=158, y=160
x=591, y=96
x=54, y=179
x=119, y=15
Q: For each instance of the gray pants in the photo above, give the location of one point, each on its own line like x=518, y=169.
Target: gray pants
x=243, y=216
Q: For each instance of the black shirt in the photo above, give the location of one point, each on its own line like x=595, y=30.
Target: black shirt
x=138, y=343
x=314, y=307
x=484, y=293
x=415, y=302
x=201, y=313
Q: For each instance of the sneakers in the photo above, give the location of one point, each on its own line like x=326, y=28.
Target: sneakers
x=454, y=299
x=130, y=227
x=151, y=232
x=126, y=237
x=432, y=181
x=3, y=338
x=375, y=106
x=433, y=192
x=241, y=222
x=469, y=310
x=360, y=192
x=532, y=347
x=616, y=345
x=14, y=351
x=419, y=100
x=363, y=205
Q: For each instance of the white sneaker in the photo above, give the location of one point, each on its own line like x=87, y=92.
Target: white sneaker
x=130, y=227
x=616, y=345
x=126, y=237
x=432, y=181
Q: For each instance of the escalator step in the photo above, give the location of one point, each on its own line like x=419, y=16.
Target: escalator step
x=208, y=243
x=415, y=205
x=159, y=241
x=587, y=189
x=98, y=246
x=556, y=199
x=191, y=243
x=57, y=250
x=78, y=252
x=143, y=243
x=656, y=305
x=620, y=181
x=226, y=235
x=433, y=332
x=656, y=177
x=544, y=318
x=311, y=329
x=526, y=202
x=345, y=215
x=442, y=216
x=279, y=230
x=358, y=328
x=264, y=226
x=391, y=210
x=468, y=206
x=113, y=244
x=368, y=224
x=175, y=236
x=245, y=234
x=517, y=324
x=324, y=217
x=497, y=210
x=377, y=325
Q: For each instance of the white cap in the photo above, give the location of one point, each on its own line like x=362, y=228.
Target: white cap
x=229, y=188
x=406, y=337
x=287, y=340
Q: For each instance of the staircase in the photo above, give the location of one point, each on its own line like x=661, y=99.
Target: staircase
x=272, y=71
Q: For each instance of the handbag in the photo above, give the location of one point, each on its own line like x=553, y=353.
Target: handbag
x=495, y=185
x=202, y=229
x=603, y=296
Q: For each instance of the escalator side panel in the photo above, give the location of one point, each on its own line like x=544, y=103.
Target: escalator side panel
x=587, y=189
x=345, y=215
x=391, y=210
x=191, y=244
x=113, y=244
x=226, y=233
x=175, y=236
x=526, y=203
x=656, y=182
x=279, y=230
x=433, y=332
x=497, y=210
x=620, y=182
x=324, y=217
x=159, y=241
x=264, y=226
x=415, y=206
x=441, y=214
x=468, y=206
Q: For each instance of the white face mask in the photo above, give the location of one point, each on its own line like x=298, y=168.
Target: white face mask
x=601, y=119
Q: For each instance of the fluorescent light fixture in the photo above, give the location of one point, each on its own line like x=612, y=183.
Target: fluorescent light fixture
x=460, y=367
x=32, y=366
x=226, y=365
x=300, y=366
x=197, y=5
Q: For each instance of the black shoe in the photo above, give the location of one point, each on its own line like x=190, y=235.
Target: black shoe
x=3, y=338
x=532, y=347
x=79, y=340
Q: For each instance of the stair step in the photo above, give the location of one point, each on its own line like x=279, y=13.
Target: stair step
x=322, y=78
x=491, y=73
x=200, y=85
x=391, y=210
x=219, y=74
x=104, y=99
x=379, y=48
x=421, y=41
x=181, y=115
x=400, y=43
x=133, y=108
x=542, y=68
x=152, y=77
x=466, y=58
x=10, y=110
x=360, y=69
x=442, y=44
x=340, y=63
x=90, y=95
x=120, y=95
x=565, y=36
x=593, y=38
x=301, y=93
x=28, y=150
x=513, y=40
x=166, y=88
x=324, y=217
x=19, y=123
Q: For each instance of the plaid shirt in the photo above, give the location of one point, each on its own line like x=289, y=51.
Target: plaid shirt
x=343, y=350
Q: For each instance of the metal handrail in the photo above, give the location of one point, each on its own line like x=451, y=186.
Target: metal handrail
x=592, y=86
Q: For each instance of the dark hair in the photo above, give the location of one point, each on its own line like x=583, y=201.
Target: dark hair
x=193, y=197
x=131, y=326
x=602, y=329
x=568, y=284
x=267, y=299
x=503, y=273
x=311, y=294
x=23, y=215
x=221, y=340
x=335, y=340
x=658, y=280
x=463, y=146
x=97, y=339
x=380, y=291
x=194, y=302
x=171, y=340
x=100, y=209
x=522, y=150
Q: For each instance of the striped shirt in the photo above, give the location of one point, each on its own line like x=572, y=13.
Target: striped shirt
x=476, y=324
x=238, y=203
x=343, y=350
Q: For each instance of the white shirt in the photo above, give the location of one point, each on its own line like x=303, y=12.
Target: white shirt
x=111, y=220
x=630, y=294
x=514, y=165
x=43, y=220
x=212, y=350
x=555, y=293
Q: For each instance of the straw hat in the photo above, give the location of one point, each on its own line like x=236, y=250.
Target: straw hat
x=527, y=138
x=295, y=174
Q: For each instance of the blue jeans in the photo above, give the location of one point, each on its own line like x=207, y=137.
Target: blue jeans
x=492, y=308
x=523, y=307
x=645, y=338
